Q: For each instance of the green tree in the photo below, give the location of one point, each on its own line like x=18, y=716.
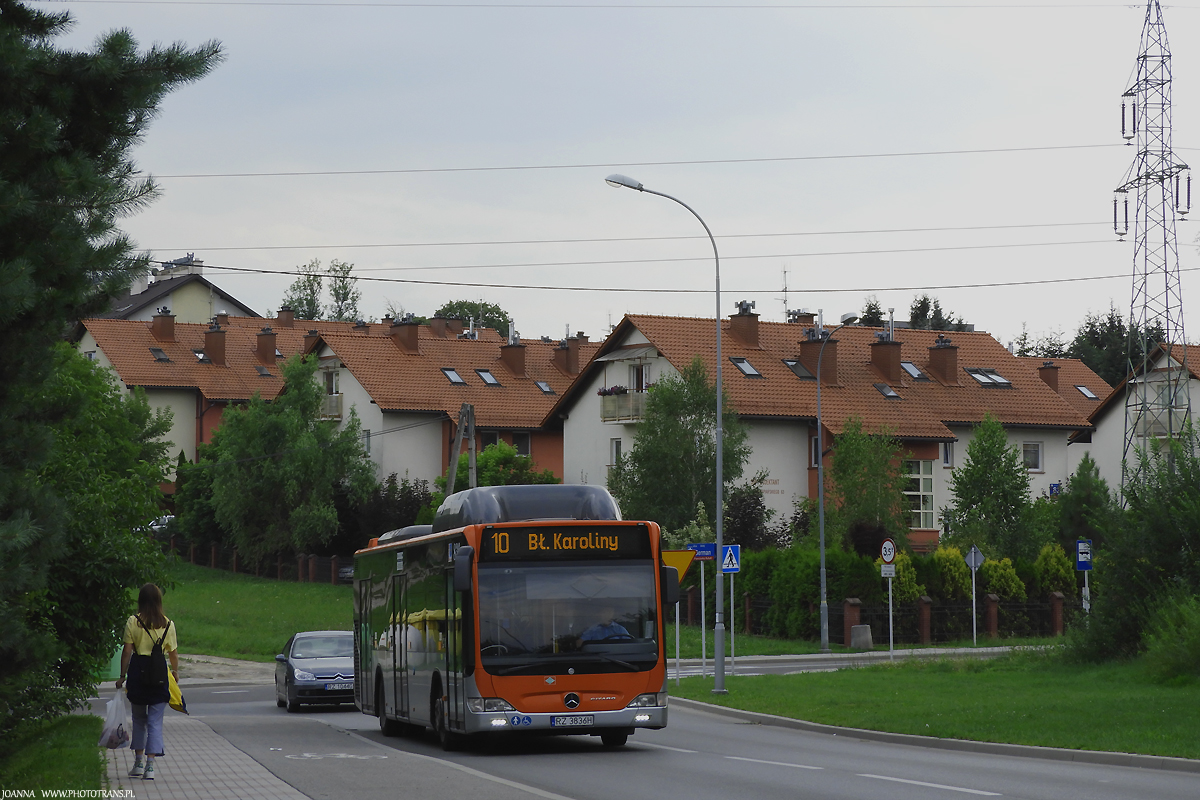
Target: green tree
x=104, y=460
x=672, y=465
x=344, y=293
x=1086, y=507
x=1102, y=341
x=747, y=518
x=304, y=295
x=68, y=124
x=926, y=313
x=1055, y=573
x=278, y=466
x=497, y=464
x=872, y=314
x=865, y=488
x=991, y=497
x=486, y=315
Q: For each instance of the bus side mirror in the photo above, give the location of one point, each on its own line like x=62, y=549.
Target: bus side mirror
x=462, y=568
x=668, y=578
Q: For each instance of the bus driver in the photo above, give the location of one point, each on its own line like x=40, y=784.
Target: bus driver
x=606, y=628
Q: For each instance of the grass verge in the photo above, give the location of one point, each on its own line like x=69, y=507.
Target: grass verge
x=60, y=754
x=1026, y=699
x=220, y=613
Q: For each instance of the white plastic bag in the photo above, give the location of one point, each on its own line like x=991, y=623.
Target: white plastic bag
x=116, y=723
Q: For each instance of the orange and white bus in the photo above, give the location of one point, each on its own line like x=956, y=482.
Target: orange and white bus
x=523, y=609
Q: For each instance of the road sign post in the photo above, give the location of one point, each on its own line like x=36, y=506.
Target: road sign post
x=731, y=563
x=680, y=560
x=887, y=552
x=974, y=559
x=705, y=551
x=1083, y=563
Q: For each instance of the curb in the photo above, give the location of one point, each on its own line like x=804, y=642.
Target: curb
x=962, y=745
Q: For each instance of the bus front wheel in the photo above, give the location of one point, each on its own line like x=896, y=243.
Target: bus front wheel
x=441, y=724
x=387, y=726
x=614, y=739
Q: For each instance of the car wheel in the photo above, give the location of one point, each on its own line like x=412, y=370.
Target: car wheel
x=292, y=705
x=279, y=699
x=616, y=739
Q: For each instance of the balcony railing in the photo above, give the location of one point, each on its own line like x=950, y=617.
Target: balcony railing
x=629, y=407
x=331, y=407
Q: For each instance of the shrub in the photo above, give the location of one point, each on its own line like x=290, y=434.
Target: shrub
x=1000, y=578
x=1053, y=571
x=1172, y=639
x=905, y=586
x=953, y=573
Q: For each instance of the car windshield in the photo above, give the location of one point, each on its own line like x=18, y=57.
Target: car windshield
x=536, y=617
x=323, y=647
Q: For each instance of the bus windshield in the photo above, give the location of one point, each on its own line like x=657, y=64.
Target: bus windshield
x=548, y=618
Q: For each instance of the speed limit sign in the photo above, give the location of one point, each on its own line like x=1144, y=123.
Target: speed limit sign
x=888, y=551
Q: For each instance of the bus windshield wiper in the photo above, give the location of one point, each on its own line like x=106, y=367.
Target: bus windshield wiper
x=616, y=661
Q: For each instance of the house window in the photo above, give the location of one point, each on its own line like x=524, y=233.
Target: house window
x=367, y=442
x=90, y=355
x=521, y=442
x=988, y=377
x=637, y=377
x=159, y=355
x=487, y=377
x=814, y=456
x=913, y=371
x=746, y=367
x=919, y=493
x=545, y=387
x=199, y=354
x=331, y=381
x=453, y=376
x=1086, y=392
x=948, y=455
x=488, y=438
x=799, y=369
x=614, y=452
x=1031, y=452
x=887, y=391
x=263, y=371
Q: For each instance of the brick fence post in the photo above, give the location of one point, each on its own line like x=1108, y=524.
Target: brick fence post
x=691, y=605
x=333, y=570
x=924, y=619
x=993, y=616
x=233, y=568
x=300, y=567
x=852, y=608
x=1056, y=612
x=172, y=545
x=312, y=569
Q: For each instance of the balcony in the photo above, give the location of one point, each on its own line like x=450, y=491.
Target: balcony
x=629, y=407
x=331, y=406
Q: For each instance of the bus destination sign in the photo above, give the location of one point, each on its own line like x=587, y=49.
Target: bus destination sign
x=553, y=543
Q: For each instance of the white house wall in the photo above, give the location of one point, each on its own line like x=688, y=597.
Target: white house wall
x=780, y=447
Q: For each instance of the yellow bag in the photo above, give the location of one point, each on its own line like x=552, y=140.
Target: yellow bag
x=177, y=702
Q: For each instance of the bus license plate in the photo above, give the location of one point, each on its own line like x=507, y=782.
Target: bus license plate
x=339, y=687
x=571, y=722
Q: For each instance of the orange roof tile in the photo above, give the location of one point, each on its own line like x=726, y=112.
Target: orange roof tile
x=1073, y=373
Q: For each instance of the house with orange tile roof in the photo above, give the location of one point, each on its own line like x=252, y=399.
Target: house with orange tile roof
x=928, y=388
x=198, y=370
x=408, y=381
x=1106, y=442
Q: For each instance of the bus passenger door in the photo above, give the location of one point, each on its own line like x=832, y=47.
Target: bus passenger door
x=364, y=650
x=400, y=639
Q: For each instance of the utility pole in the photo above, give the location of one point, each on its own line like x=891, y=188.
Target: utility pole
x=1157, y=400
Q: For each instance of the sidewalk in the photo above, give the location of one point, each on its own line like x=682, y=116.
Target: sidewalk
x=207, y=768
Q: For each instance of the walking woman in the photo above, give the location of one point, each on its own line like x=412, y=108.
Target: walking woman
x=147, y=696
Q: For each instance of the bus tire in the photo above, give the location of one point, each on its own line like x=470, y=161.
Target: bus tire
x=387, y=725
x=614, y=739
x=441, y=724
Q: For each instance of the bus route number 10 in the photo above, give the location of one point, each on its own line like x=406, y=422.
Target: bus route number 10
x=500, y=542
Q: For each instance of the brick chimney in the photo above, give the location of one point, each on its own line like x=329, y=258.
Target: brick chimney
x=214, y=345
x=566, y=356
x=744, y=325
x=310, y=339
x=362, y=327
x=222, y=319
x=454, y=326
x=801, y=317
x=439, y=326
x=285, y=317
x=162, y=327
x=810, y=354
x=1048, y=372
x=266, y=347
x=885, y=357
x=404, y=334
x=513, y=356
x=943, y=361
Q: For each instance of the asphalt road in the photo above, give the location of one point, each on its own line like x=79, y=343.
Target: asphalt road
x=339, y=753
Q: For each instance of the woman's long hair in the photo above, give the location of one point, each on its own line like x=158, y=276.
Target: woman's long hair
x=150, y=609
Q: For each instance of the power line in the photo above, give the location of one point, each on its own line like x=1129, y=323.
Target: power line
x=196, y=249
x=616, y=6
x=611, y=165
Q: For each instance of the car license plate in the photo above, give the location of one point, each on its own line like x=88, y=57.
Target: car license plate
x=338, y=687
x=571, y=722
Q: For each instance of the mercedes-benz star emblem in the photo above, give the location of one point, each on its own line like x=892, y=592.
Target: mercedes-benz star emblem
x=571, y=700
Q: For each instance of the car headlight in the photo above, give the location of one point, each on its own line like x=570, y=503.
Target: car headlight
x=301, y=675
x=650, y=700
x=487, y=705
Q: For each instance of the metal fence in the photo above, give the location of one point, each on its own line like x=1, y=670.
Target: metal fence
x=304, y=568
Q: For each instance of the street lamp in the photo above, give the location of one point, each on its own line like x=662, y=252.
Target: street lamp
x=719, y=631
x=846, y=320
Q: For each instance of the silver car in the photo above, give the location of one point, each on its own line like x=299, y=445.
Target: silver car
x=316, y=667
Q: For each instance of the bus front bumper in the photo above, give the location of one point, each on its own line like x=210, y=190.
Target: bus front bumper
x=581, y=722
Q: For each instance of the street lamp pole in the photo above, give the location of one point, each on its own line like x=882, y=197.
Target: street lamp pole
x=719, y=630
x=846, y=320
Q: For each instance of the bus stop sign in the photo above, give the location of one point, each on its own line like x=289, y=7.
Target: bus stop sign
x=1083, y=555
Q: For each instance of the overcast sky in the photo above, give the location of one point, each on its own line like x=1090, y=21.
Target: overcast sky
x=769, y=98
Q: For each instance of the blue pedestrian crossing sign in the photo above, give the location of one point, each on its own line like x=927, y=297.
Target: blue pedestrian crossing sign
x=731, y=558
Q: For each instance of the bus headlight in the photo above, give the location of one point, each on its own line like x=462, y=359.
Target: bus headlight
x=487, y=705
x=650, y=700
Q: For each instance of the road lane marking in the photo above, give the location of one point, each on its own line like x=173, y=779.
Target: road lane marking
x=773, y=763
x=665, y=747
x=932, y=785
x=231, y=691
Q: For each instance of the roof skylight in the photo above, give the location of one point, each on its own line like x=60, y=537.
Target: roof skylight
x=913, y=371
x=988, y=377
x=453, y=376
x=887, y=391
x=745, y=366
x=545, y=387
x=487, y=377
x=1088, y=393
x=158, y=354
x=266, y=373
x=799, y=369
